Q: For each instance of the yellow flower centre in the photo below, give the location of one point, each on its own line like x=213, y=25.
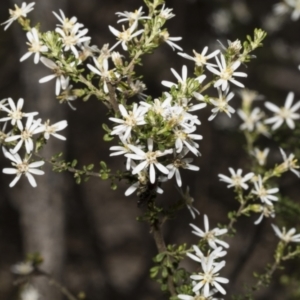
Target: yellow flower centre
x=226, y=74
x=25, y=135
x=34, y=47
x=68, y=25
x=125, y=35
x=130, y=120
x=208, y=277
x=236, y=180
x=151, y=157
x=17, y=13
x=22, y=167
x=179, y=163
x=284, y=113
x=16, y=115
x=262, y=192
x=199, y=59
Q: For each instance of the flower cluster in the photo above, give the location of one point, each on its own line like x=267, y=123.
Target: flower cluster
x=254, y=119
x=18, y=132
x=208, y=282
x=259, y=190
x=156, y=135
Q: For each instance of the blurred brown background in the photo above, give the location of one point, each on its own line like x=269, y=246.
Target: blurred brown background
x=88, y=234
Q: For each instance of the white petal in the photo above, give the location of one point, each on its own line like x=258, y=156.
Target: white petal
x=31, y=179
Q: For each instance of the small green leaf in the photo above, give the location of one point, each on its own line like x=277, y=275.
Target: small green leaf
x=159, y=257
x=113, y=186
x=103, y=165
x=90, y=167
x=107, y=137
x=74, y=163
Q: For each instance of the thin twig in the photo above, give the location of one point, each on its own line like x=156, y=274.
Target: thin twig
x=161, y=247
x=113, y=101
x=58, y=285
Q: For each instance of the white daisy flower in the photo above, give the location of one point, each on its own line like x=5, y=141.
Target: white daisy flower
x=130, y=119
x=221, y=104
x=250, y=119
x=266, y=211
x=61, y=80
x=132, y=16
x=165, y=37
x=226, y=73
x=126, y=35
x=25, y=136
x=184, y=137
x=180, y=162
x=35, y=46
x=48, y=129
x=73, y=38
x=148, y=159
x=210, y=235
x=199, y=255
x=283, y=114
x=122, y=150
x=236, y=179
x=102, y=69
x=200, y=59
x=266, y=196
x=166, y=13
x=199, y=295
x=181, y=79
x=67, y=94
x=261, y=155
x=23, y=167
x=15, y=114
x=210, y=277
x=143, y=182
x=290, y=162
x=18, y=12
x=66, y=23
x=160, y=107
x=287, y=236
